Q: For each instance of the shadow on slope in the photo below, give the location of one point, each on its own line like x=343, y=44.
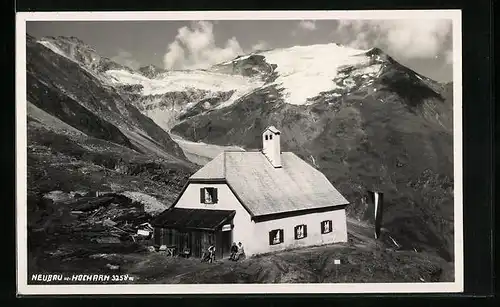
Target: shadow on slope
x=71, y=112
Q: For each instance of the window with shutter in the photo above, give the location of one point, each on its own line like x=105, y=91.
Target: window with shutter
x=326, y=227
x=208, y=196
x=276, y=236
x=202, y=195
x=300, y=231
x=216, y=197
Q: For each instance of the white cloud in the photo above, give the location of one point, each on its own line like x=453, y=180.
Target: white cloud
x=194, y=47
x=408, y=39
x=308, y=25
x=304, y=25
x=125, y=58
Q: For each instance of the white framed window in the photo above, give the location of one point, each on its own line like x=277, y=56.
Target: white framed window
x=208, y=195
x=276, y=236
x=300, y=232
x=326, y=227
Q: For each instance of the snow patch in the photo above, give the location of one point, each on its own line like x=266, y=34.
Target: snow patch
x=179, y=81
x=305, y=71
x=369, y=70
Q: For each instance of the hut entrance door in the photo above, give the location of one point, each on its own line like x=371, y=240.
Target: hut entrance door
x=183, y=241
x=227, y=240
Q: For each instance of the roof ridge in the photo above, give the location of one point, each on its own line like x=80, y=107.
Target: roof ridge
x=273, y=129
x=242, y=151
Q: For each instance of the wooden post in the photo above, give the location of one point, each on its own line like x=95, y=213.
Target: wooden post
x=336, y=263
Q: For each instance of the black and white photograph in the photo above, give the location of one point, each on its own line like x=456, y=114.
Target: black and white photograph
x=239, y=152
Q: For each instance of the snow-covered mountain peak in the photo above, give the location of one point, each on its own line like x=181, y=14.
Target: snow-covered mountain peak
x=298, y=75
x=306, y=71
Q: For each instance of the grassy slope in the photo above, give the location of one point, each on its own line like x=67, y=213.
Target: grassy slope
x=307, y=265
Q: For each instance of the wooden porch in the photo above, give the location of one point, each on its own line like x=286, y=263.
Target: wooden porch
x=194, y=230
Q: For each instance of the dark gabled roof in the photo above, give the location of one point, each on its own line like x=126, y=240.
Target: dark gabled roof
x=201, y=219
x=264, y=189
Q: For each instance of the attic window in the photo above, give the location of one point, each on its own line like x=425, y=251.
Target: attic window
x=276, y=236
x=300, y=232
x=270, y=136
x=208, y=196
x=326, y=226
x=267, y=137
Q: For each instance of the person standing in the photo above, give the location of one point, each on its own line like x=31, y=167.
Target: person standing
x=211, y=253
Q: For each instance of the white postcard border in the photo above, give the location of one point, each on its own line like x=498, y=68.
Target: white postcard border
x=21, y=157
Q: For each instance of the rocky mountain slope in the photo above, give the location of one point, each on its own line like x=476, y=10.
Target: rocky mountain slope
x=151, y=71
x=64, y=79
x=359, y=116
x=85, y=139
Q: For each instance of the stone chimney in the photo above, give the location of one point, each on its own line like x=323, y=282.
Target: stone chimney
x=271, y=145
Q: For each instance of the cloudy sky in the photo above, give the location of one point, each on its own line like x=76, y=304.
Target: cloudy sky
x=424, y=46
